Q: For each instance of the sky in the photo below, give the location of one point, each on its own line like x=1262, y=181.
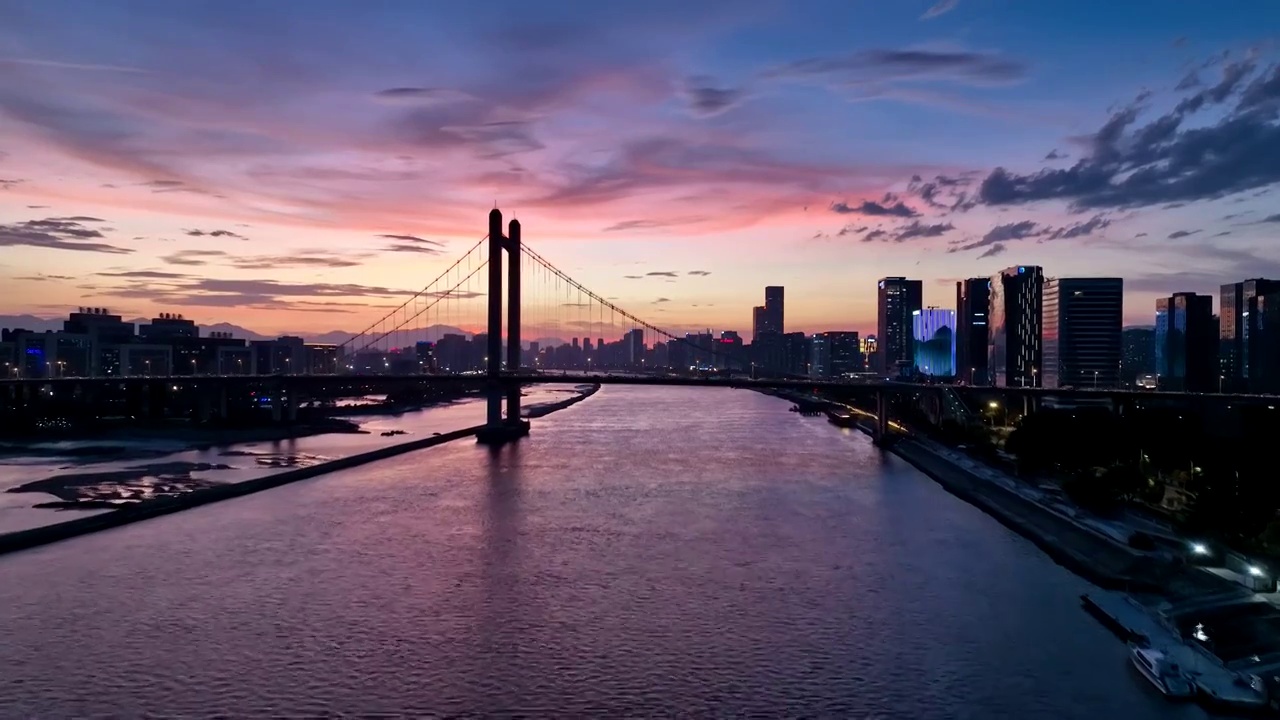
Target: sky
x=303, y=166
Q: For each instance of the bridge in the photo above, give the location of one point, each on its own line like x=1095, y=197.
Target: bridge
x=554, y=304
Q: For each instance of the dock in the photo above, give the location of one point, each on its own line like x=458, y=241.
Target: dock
x=1216, y=685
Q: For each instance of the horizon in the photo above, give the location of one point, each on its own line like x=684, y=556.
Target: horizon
x=289, y=171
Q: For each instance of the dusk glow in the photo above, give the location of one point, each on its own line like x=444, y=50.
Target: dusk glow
x=301, y=167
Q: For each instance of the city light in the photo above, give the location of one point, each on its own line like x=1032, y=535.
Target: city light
x=1199, y=548
x=1255, y=571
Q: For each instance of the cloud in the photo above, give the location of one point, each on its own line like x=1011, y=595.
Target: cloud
x=877, y=67
x=707, y=99
x=214, y=233
x=663, y=273
x=875, y=209
x=1222, y=234
x=1181, y=234
x=1080, y=229
x=1054, y=155
x=875, y=235
x=1270, y=219
x=413, y=244
x=297, y=259
x=851, y=229
x=918, y=230
x=9, y=184
x=941, y=7
x=179, y=290
x=633, y=277
x=192, y=257
x=56, y=65
x=422, y=95
x=648, y=224
x=1170, y=158
x=701, y=273
x=42, y=277
x=993, y=251
x=661, y=300
x=58, y=234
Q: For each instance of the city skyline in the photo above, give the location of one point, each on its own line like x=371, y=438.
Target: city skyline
x=301, y=173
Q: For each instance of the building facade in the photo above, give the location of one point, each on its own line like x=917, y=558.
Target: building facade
x=896, y=300
x=1081, y=323
x=933, y=330
x=1014, y=316
x=1238, y=316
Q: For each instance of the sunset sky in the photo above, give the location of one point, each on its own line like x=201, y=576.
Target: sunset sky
x=295, y=166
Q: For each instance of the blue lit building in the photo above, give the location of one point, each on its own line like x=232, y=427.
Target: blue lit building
x=933, y=330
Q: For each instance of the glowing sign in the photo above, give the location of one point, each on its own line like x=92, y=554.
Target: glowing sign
x=1021, y=270
x=881, y=284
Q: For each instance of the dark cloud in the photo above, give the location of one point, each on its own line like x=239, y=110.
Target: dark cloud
x=1181, y=234
x=1270, y=219
x=192, y=257
x=633, y=277
x=939, y=8
x=916, y=229
x=422, y=95
x=663, y=273
x=178, y=290
x=1168, y=159
x=1080, y=229
x=1223, y=233
x=413, y=244
x=881, y=66
x=943, y=192
x=875, y=235
x=1027, y=229
x=875, y=209
x=298, y=259
x=1055, y=155
x=1214, y=261
x=37, y=207
x=701, y=273
x=706, y=98
x=215, y=233
x=993, y=251
x=58, y=234
x=144, y=275
x=42, y=277
x=661, y=300
x=10, y=183
x=851, y=229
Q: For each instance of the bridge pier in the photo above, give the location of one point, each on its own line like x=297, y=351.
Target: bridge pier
x=496, y=431
x=882, y=418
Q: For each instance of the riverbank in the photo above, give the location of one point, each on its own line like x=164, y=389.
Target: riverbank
x=170, y=487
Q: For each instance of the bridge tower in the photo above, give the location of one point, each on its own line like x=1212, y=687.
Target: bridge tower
x=498, y=430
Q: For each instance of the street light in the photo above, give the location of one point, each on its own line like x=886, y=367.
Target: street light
x=1220, y=379
x=1095, y=379
x=148, y=362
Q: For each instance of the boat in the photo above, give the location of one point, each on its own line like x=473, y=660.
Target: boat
x=1161, y=671
x=389, y=433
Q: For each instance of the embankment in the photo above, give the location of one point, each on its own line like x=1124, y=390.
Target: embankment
x=1100, y=560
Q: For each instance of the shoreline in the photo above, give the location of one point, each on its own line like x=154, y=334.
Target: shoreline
x=127, y=514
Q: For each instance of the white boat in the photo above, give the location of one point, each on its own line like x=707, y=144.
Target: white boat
x=1161, y=671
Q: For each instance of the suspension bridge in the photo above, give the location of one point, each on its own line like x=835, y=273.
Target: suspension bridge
x=452, y=331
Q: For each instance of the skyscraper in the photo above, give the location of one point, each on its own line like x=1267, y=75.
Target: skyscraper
x=757, y=322
x=1080, y=328
x=1185, y=346
x=935, y=342
x=1013, y=325
x=773, y=316
x=897, y=299
x=1237, y=310
x=973, y=298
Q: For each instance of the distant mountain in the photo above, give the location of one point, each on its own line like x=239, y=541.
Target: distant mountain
x=29, y=322
x=430, y=334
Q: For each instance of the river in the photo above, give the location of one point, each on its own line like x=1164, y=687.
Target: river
x=649, y=552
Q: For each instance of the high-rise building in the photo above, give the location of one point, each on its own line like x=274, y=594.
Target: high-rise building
x=1081, y=320
x=1237, y=310
x=934, y=347
x=1013, y=325
x=757, y=322
x=973, y=300
x=819, y=356
x=845, y=353
x=1185, y=346
x=1138, y=354
x=897, y=299
x=1265, y=372
x=773, y=316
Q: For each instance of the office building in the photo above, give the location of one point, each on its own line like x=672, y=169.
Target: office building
x=168, y=326
x=1013, y=325
x=819, y=357
x=757, y=322
x=846, y=353
x=934, y=346
x=1081, y=320
x=1185, y=345
x=772, y=320
x=973, y=300
x=897, y=299
x=1138, y=354
x=1237, y=311
x=1265, y=370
